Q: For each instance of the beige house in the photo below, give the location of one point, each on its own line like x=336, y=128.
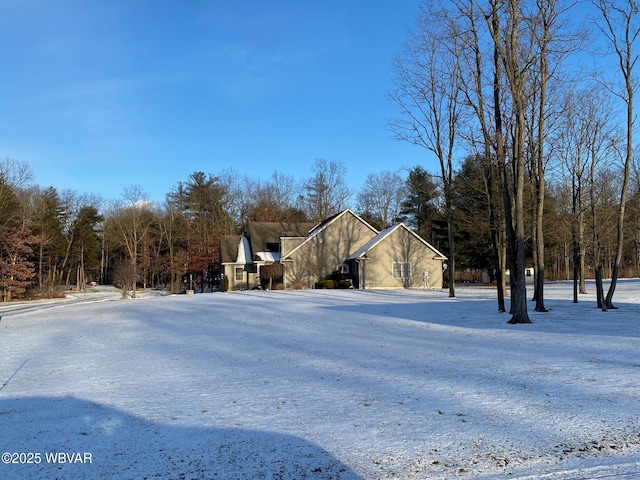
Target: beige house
x=239, y=271
x=244, y=256
x=397, y=258
x=325, y=250
x=344, y=243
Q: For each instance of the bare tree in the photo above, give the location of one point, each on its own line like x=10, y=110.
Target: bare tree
x=573, y=152
x=173, y=225
x=620, y=28
x=603, y=188
x=585, y=141
x=326, y=192
x=273, y=200
x=427, y=85
x=548, y=55
x=484, y=135
x=238, y=194
x=381, y=197
x=131, y=218
x=505, y=22
x=14, y=176
x=283, y=190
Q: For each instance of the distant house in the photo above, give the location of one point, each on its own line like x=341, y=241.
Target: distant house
x=344, y=245
x=529, y=275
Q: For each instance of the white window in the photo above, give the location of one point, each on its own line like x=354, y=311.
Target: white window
x=239, y=274
x=401, y=270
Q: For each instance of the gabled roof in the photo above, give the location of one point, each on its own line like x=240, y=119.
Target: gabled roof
x=385, y=234
x=325, y=223
x=229, y=246
x=265, y=237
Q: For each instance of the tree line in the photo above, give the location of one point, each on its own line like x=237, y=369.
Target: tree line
x=51, y=241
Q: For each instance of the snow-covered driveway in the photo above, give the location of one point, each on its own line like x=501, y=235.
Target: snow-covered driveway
x=321, y=384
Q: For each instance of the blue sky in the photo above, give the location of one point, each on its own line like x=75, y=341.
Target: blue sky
x=100, y=95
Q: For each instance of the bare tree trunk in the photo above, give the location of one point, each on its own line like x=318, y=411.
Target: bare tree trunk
x=581, y=246
x=497, y=235
x=621, y=32
x=428, y=91
x=516, y=82
x=540, y=254
x=576, y=256
x=599, y=289
x=503, y=253
x=475, y=96
x=448, y=180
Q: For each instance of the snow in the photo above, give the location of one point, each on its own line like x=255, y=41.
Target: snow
x=319, y=384
x=268, y=256
x=244, y=251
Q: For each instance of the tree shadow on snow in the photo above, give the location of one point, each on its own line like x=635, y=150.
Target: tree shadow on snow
x=69, y=437
x=563, y=316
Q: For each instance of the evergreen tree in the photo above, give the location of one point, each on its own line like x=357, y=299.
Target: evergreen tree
x=202, y=201
x=419, y=210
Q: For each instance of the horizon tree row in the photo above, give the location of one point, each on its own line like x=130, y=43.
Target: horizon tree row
x=51, y=241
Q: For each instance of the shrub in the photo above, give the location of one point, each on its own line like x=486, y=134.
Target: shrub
x=329, y=283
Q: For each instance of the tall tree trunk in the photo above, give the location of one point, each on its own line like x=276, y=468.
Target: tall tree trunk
x=516, y=82
x=540, y=254
x=547, y=19
x=497, y=237
x=621, y=30
x=576, y=270
x=581, y=245
x=450, y=234
x=519, y=293
x=599, y=289
x=500, y=178
x=575, y=246
x=623, y=201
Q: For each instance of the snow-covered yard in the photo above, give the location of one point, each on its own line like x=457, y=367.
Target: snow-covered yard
x=320, y=384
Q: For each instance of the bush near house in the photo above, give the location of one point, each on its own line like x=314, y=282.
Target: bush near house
x=337, y=280
x=327, y=283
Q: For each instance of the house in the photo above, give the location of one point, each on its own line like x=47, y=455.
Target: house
x=393, y=258
x=243, y=256
x=325, y=250
x=397, y=258
x=529, y=276
x=237, y=262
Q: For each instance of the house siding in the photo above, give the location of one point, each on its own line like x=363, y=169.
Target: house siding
x=376, y=269
x=249, y=276
x=287, y=244
x=319, y=256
